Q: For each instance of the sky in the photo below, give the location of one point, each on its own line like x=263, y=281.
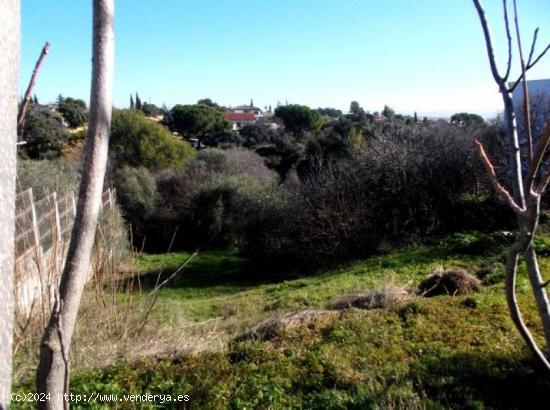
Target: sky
x=426, y=56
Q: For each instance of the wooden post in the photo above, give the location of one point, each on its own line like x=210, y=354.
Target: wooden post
x=110, y=198
x=73, y=201
x=58, y=239
x=34, y=220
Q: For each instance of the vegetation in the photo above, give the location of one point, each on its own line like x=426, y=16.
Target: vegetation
x=74, y=111
x=198, y=121
x=137, y=141
x=440, y=352
x=44, y=133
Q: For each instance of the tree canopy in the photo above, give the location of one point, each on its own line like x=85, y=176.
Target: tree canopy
x=298, y=118
x=73, y=110
x=137, y=141
x=197, y=120
x=464, y=118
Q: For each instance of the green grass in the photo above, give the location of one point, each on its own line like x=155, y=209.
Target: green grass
x=438, y=353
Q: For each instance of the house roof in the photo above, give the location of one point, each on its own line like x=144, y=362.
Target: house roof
x=244, y=116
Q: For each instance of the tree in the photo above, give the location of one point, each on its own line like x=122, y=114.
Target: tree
x=132, y=105
x=140, y=142
x=43, y=132
x=150, y=110
x=298, y=118
x=356, y=113
x=466, y=119
x=210, y=103
x=74, y=111
x=9, y=70
x=196, y=121
x=138, y=102
x=53, y=369
x=329, y=112
x=526, y=189
x=388, y=112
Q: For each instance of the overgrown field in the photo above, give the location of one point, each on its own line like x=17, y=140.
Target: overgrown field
x=439, y=352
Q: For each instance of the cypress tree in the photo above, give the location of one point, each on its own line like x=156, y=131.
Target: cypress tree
x=132, y=106
x=138, y=102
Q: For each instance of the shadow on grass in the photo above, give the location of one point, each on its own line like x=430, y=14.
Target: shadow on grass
x=481, y=380
x=205, y=270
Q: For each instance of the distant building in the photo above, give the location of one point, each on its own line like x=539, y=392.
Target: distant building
x=240, y=119
x=247, y=109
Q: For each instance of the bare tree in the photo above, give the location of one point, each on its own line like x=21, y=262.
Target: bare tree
x=526, y=189
x=9, y=70
x=53, y=369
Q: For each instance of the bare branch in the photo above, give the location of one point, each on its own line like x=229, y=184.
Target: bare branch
x=26, y=99
x=490, y=51
x=537, y=159
x=526, y=107
x=528, y=67
x=509, y=39
x=493, y=177
x=533, y=45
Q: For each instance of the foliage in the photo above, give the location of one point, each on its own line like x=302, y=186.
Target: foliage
x=466, y=119
x=150, y=110
x=47, y=176
x=44, y=133
x=197, y=121
x=136, y=194
x=137, y=141
x=428, y=353
x=329, y=112
x=256, y=134
x=298, y=118
x=74, y=111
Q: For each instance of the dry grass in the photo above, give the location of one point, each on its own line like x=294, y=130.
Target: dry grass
x=269, y=328
x=384, y=297
x=448, y=282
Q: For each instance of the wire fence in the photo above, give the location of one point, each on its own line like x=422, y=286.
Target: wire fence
x=44, y=223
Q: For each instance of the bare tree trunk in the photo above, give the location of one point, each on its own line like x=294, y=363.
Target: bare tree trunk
x=9, y=70
x=525, y=200
x=53, y=369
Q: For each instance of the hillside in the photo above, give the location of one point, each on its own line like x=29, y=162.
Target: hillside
x=439, y=352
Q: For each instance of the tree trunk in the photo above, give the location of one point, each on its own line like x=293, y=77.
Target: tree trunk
x=9, y=69
x=53, y=368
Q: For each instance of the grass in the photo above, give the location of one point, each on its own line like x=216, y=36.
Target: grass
x=442, y=352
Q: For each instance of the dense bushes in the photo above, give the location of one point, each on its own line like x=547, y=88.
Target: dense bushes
x=342, y=193
x=138, y=141
x=44, y=133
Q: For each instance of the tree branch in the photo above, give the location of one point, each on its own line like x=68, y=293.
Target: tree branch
x=526, y=106
x=26, y=99
x=493, y=177
x=488, y=42
x=528, y=67
x=537, y=159
x=509, y=39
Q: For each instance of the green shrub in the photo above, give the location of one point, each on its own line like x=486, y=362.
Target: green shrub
x=48, y=176
x=44, y=133
x=140, y=142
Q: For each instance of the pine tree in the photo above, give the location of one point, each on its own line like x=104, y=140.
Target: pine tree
x=35, y=99
x=132, y=106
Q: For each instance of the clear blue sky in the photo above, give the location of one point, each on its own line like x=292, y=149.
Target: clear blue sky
x=423, y=55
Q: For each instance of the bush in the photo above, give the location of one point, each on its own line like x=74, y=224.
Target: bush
x=137, y=194
x=48, y=176
x=44, y=133
x=73, y=111
x=140, y=142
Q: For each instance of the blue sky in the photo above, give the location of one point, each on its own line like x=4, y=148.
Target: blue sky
x=423, y=55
